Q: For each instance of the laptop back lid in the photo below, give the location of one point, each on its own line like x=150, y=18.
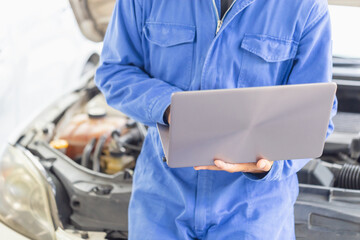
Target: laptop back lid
x=241, y=125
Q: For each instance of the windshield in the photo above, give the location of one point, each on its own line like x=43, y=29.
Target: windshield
x=346, y=32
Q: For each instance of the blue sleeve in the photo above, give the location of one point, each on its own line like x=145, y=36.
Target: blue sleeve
x=121, y=76
x=312, y=63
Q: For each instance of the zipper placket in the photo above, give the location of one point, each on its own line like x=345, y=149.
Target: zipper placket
x=220, y=21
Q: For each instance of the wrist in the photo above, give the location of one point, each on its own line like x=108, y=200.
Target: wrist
x=166, y=115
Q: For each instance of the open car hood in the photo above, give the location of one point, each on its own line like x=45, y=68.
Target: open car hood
x=93, y=16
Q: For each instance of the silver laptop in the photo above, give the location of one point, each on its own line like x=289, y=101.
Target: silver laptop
x=241, y=125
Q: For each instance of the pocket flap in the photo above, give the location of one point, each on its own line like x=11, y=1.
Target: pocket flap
x=269, y=48
x=168, y=34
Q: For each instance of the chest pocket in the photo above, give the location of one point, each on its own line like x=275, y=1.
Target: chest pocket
x=169, y=48
x=266, y=60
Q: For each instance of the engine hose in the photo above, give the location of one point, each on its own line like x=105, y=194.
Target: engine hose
x=349, y=177
x=134, y=135
x=97, y=152
x=85, y=158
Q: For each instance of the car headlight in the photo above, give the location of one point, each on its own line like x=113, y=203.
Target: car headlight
x=24, y=196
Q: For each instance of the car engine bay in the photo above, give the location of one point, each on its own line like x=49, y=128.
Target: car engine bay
x=89, y=152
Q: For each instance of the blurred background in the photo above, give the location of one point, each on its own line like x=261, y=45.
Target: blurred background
x=43, y=53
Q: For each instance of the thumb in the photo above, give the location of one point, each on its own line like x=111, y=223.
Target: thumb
x=264, y=164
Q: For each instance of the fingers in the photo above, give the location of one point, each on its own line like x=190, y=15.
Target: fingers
x=235, y=167
x=207, y=168
x=262, y=165
x=226, y=166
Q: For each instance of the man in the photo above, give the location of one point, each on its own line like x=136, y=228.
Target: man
x=154, y=48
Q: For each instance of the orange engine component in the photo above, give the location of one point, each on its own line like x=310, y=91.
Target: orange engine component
x=84, y=127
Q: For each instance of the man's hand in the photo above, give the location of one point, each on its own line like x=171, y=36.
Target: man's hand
x=261, y=166
x=167, y=115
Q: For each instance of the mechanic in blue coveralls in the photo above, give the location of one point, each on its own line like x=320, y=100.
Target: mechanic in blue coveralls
x=153, y=48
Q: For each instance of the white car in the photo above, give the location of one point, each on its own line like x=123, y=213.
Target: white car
x=68, y=173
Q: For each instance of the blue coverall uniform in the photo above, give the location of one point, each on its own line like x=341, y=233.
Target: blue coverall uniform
x=153, y=48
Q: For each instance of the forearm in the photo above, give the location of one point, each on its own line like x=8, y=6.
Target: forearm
x=133, y=92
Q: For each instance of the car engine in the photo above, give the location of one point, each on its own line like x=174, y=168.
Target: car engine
x=89, y=151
